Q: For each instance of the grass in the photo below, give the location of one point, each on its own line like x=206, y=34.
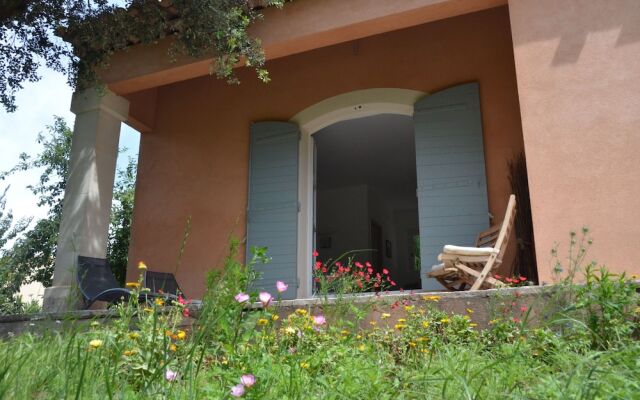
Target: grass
x=587, y=348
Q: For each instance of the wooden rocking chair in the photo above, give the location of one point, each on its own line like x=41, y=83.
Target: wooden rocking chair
x=475, y=266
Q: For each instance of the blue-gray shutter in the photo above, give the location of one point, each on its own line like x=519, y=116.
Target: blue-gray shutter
x=272, y=214
x=452, y=185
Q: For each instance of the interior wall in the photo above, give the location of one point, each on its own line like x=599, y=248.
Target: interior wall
x=194, y=163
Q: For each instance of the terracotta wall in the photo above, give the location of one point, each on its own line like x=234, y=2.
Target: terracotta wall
x=579, y=83
x=195, y=161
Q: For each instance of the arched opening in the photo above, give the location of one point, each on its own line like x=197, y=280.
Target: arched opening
x=393, y=103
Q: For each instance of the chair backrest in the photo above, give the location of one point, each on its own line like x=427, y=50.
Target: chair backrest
x=506, y=227
x=164, y=282
x=94, y=276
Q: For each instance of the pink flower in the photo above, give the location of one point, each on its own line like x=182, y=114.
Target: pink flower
x=319, y=320
x=368, y=264
x=265, y=298
x=171, y=375
x=315, y=253
x=281, y=286
x=385, y=271
x=359, y=265
x=248, y=380
x=237, y=390
x=242, y=297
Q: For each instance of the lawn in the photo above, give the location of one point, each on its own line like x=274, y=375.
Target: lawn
x=584, y=346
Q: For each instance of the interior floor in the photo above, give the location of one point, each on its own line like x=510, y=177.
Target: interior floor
x=366, y=194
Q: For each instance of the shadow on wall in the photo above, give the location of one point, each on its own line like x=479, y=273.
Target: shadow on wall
x=599, y=17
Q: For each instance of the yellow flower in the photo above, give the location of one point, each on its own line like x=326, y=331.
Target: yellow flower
x=132, y=285
x=400, y=326
x=637, y=310
x=466, y=317
x=345, y=333
x=409, y=308
x=301, y=311
x=494, y=321
x=402, y=320
x=173, y=347
x=159, y=302
x=445, y=320
x=142, y=266
x=373, y=323
x=362, y=347
x=431, y=298
x=473, y=325
x=470, y=311
x=275, y=317
x=385, y=315
x=148, y=309
x=425, y=351
x=95, y=324
x=263, y=321
x=134, y=335
x=425, y=324
x=358, y=337
x=224, y=361
x=168, y=333
x=423, y=339
x=290, y=330
x=412, y=344
x=95, y=343
x=181, y=335
x=128, y=353
x=304, y=365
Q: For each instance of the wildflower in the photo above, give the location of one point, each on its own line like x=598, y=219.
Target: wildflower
x=148, y=309
x=358, y=337
x=304, y=365
x=385, y=315
x=290, y=330
x=170, y=375
x=385, y=271
x=494, y=321
x=473, y=324
x=368, y=264
x=445, y=320
x=142, y=266
x=400, y=326
x=185, y=312
x=523, y=309
x=431, y=298
x=262, y=321
x=315, y=253
x=134, y=335
x=95, y=343
x=181, y=335
x=181, y=300
x=128, y=353
x=409, y=308
x=470, y=311
x=359, y=265
x=412, y=344
x=402, y=320
x=424, y=351
x=523, y=278
x=159, y=302
x=362, y=347
x=248, y=380
x=237, y=390
x=372, y=323
x=319, y=320
x=301, y=311
x=423, y=339
x=173, y=348
x=281, y=286
x=344, y=332
x=497, y=276
x=516, y=320
x=242, y=297
x=425, y=324
x=265, y=298
x=318, y=265
x=275, y=317
x=132, y=285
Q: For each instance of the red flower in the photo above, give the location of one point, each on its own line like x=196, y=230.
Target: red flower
x=361, y=273
x=523, y=309
x=392, y=283
x=316, y=279
x=385, y=271
x=370, y=270
x=185, y=312
x=368, y=264
x=315, y=253
x=359, y=265
x=516, y=320
x=181, y=300
x=324, y=270
x=497, y=276
x=318, y=265
x=522, y=278
x=338, y=263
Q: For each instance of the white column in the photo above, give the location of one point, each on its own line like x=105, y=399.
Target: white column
x=87, y=200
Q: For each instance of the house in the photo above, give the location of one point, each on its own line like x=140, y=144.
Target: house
x=385, y=121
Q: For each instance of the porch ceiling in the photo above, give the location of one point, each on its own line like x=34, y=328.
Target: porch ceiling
x=301, y=25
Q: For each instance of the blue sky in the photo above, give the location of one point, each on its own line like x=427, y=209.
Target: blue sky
x=37, y=104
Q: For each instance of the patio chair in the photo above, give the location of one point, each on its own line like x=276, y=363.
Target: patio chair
x=97, y=283
x=162, y=282
x=474, y=266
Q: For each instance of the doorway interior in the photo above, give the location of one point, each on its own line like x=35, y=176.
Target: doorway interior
x=365, y=194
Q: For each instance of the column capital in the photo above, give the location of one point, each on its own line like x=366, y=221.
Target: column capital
x=96, y=99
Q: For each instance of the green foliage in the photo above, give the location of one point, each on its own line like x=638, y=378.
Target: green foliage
x=96, y=29
x=121, y=218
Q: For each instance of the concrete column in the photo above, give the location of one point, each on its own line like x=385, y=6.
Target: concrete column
x=87, y=200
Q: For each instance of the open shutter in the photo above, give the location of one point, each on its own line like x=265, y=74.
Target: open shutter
x=452, y=188
x=272, y=214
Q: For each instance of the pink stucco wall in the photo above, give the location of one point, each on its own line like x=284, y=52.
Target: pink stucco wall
x=194, y=161
x=578, y=73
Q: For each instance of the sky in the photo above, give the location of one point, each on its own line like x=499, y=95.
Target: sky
x=37, y=103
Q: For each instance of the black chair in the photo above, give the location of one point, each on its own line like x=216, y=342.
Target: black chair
x=162, y=282
x=97, y=283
